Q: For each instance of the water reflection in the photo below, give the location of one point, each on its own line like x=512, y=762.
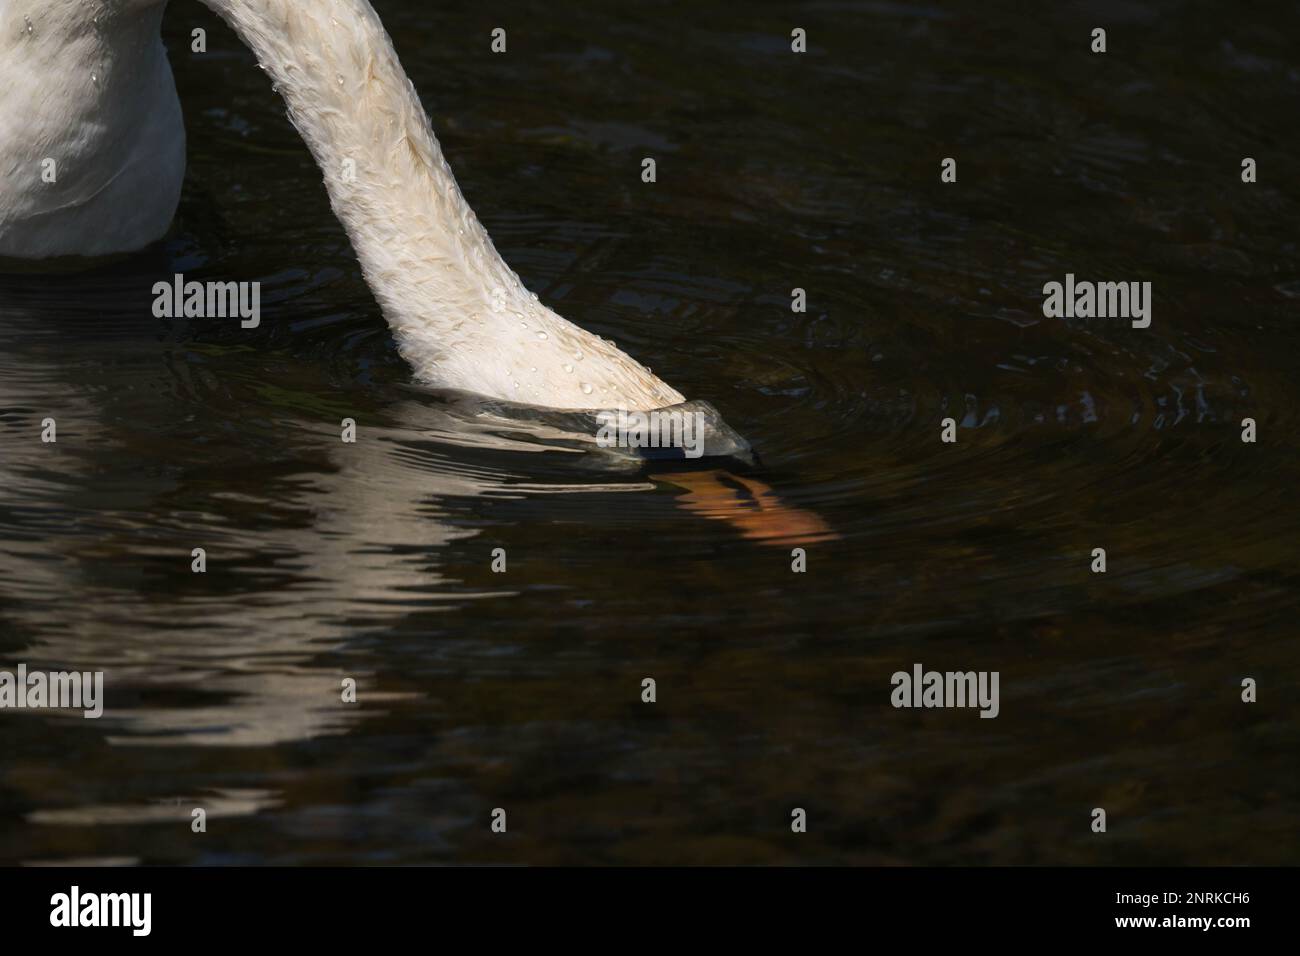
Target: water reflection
x=477, y=689
x=320, y=544
x=750, y=506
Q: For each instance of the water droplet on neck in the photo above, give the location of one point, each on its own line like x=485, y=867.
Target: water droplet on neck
x=339, y=77
x=567, y=367
x=586, y=389
x=543, y=336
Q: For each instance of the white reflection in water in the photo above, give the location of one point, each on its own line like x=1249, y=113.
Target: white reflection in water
x=248, y=665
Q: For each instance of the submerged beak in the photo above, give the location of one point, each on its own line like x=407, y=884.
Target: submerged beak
x=701, y=435
x=749, y=506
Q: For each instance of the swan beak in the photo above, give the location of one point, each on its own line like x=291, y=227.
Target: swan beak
x=751, y=507
x=706, y=436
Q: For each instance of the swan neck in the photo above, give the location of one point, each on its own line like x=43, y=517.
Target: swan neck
x=461, y=317
x=388, y=182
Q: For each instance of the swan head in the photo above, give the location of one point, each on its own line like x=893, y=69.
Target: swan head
x=684, y=435
x=689, y=432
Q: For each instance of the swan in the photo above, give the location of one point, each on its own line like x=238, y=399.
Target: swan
x=92, y=151
x=361, y=540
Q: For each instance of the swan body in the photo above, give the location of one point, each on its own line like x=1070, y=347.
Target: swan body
x=461, y=317
x=92, y=143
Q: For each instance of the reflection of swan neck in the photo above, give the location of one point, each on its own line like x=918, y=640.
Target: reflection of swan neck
x=461, y=316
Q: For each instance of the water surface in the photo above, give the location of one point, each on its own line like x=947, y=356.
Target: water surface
x=522, y=690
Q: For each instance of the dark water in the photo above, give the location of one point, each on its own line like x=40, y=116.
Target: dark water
x=522, y=690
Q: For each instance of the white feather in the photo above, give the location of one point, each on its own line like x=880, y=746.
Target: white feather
x=461, y=317
x=88, y=87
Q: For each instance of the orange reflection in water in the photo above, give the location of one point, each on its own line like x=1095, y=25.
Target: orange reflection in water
x=749, y=506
